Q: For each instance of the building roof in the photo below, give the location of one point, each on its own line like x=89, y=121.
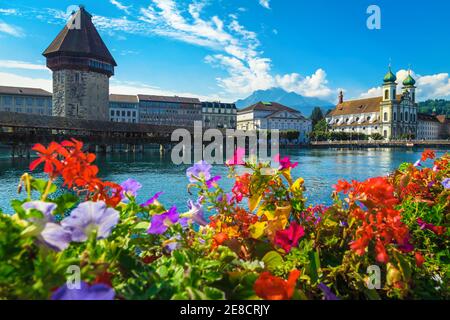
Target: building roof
x=409, y=81
x=427, y=117
x=442, y=118
x=217, y=104
x=173, y=99
x=389, y=77
x=80, y=38
x=357, y=106
x=267, y=106
x=24, y=91
x=123, y=98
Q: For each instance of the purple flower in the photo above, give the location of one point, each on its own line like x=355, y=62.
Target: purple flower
x=48, y=232
x=85, y=292
x=446, y=183
x=46, y=208
x=418, y=163
x=172, y=244
x=88, y=217
x=130, y=187
x=152, y=199
x=161, y=222
x=211, y=182
x=329, y=295
x=200, y=170
x=196, y=212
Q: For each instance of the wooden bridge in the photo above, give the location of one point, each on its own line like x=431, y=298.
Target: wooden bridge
x=20, y=131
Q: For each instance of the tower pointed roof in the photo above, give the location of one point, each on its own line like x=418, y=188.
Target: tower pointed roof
x=80, y=38
x=389, y=77
x=409, y=81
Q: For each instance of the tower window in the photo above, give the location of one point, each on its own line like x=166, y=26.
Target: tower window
x=385, y=117
x=386, y=94
x=395, y=116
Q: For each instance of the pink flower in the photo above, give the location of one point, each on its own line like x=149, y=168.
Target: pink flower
x=238, y=158
x=285, y=163
x=289, y=238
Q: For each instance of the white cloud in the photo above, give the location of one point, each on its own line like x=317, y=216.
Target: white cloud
x=14, y=64
x=11, y=30
x=428, y=86
x=8, y=12
x=265, y=3
x=15, y=80
x=309, y=86
x=120, y=6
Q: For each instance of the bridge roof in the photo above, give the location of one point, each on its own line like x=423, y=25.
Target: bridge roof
x=23, y=120
x=24, y=91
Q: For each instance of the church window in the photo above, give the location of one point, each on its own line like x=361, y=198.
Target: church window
x=395, y=93
x=385, y=116
x=401, y=116
x=406, y=116
x=386, y=94
x=395, y=116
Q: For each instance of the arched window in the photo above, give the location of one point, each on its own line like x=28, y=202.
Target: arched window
x=401, y=116
x=395, y=116
x=406, y=116
x=386, y=94
x=385, y=117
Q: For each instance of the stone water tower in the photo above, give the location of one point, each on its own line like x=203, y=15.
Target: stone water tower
x=81, y=65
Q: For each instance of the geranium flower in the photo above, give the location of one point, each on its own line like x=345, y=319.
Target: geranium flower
x=196, y=212
x=289, y=238
x=241, y=186
x=200, y=170
x=152, y=199
x=328, y=294
x=446, y=183
x=419, y=259
x=269, y=287
x=285, y=163
x=428, y=154
x=381, y=254
x=130, y=187
x=161, y=222
x=48, y=156
x=89, y=217
x=85, y=292
x=49, y=233
x=237, y=159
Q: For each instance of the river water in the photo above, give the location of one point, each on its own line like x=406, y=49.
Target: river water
x=321, y=168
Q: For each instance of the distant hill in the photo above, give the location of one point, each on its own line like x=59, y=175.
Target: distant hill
x=291, y=99
x=441, y=106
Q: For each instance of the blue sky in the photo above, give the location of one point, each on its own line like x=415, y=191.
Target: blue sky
x=226, y=49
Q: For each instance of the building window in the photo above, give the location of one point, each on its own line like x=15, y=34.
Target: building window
x=385, y=116
x=19, y=101
x=385, y=133
x=112, y=112
x=386, y=94
x=395, y=116
x=406, y=116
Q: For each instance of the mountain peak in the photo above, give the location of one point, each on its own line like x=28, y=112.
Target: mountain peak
x=290, y=99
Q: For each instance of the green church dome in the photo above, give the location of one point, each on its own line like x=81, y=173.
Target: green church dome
x=409, y=81
x=390, y=77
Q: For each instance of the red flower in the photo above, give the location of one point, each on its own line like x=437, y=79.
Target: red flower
x=419, y=259
x=381, y=253
x=342, y=186
x=269, y=287
x=428, y=154
x=48, y=156
x=241, y=187
x=289, y=238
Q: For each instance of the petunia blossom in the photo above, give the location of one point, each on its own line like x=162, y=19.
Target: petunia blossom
x=161, y=222
x=49, y=232
x=200, y=170
x=289, y=238
x=130, y=187
x=237, y=159
x=196, y=212
x=85, y=292
x=89, y=217
x=328, y=294
x=285, y=163
x=152, y=200
x=212, y=182
x=446, y=183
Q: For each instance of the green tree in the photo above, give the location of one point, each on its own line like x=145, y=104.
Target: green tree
x=316, y=115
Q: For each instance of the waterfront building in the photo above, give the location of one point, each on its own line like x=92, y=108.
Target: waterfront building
x=219, y=115
x=81, y=65
x=123, y=108
x=25, y=100
x=272, y=115
x=392, y=115
x=172, y=111
x=428, y=127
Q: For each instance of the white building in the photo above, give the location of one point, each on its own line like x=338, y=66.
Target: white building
x=123, y=108
x=392, y=115
x=25, y=100
x=429, y=127
x=272, y=115
x=219, y=115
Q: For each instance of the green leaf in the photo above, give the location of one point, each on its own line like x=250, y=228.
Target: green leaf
x=65, y=202
x=314, y=266
x=40, y=185
x=17, y=206
x=272, y=260
x=142, y=225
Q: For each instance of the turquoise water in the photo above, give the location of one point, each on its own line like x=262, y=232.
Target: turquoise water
x=321, y=168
